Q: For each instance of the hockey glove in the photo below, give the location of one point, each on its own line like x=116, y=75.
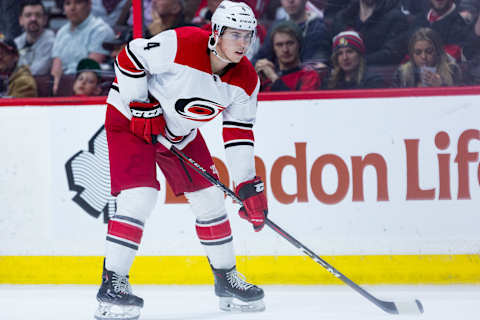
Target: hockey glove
x=255, y=207
x=147, y=119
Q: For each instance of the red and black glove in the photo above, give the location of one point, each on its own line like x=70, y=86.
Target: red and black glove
x=147, y=119
x=255, y=207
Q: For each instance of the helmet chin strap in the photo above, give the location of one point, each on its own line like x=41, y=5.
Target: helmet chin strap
x=212, y=45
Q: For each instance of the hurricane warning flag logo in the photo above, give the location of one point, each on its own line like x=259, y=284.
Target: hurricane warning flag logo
x=198, y=109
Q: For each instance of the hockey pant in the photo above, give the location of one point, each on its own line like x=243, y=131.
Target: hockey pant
x=134, y=206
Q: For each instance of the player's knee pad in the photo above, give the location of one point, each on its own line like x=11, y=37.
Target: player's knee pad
x=212, y=224
x=137, y=203
x=208, y=203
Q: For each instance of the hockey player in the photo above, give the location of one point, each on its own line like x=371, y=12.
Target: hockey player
x=172, y=84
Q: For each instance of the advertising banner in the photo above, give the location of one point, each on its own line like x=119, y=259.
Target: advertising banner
x=346, y=177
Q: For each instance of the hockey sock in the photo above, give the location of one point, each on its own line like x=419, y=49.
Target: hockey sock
x=213, y=226
x=123, y=238
x=125, y=229
x=216, y=237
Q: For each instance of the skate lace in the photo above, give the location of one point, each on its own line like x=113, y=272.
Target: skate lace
x=121, y=284
x=237, y=280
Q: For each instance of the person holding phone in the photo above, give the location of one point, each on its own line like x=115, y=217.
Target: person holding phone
x=429, y=64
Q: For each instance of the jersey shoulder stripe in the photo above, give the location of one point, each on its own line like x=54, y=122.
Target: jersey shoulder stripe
x=192, y=50
x=242, y=75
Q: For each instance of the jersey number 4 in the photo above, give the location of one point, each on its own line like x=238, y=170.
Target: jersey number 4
x=152, y=45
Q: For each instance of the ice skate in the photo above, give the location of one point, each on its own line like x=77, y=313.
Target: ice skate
x=116, y=301
x=235, y=293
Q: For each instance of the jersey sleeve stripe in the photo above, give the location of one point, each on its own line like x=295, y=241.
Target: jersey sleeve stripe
x=127, y=64
x=128, y=73
x=233, y=124
x=230, y=134
x=238, y=143
x=134, y=58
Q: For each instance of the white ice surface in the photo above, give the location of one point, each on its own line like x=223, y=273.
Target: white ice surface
x=283, y=302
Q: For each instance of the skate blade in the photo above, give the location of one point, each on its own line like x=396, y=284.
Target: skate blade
x=109, y=311
x=235, y=305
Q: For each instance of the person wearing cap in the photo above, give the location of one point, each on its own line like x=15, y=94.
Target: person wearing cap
x=87, y=79
x=81, y=37
x=35, y=43
x=286, y=73
x=349, y=64
x=383, y=27
x=21, y=83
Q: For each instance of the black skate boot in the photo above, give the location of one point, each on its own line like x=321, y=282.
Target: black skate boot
x=235, y=293
x=116, y=301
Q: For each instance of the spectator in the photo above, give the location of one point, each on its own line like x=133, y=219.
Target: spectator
x=21, y=83
x=349, y=64
x=80, y=38
x=429, y=65
x=382, y=25
x=35, y=44
x=315, y=35
x=286, y=74
x=166, y=14
x=87, y=80
x=10, y=11
x=458, y=37
x=108, y=10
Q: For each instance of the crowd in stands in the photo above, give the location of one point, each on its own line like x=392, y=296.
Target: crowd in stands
x=68, y=47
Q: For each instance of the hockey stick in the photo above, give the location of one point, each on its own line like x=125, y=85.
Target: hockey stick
x=403, y=307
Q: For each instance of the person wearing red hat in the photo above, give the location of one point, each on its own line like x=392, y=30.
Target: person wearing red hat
x=383, y=27
x=349, y=66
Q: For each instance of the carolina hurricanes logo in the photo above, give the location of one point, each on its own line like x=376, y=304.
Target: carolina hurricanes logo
x=198, y=109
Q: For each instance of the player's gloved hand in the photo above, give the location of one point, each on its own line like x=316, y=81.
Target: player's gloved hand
x=147, y=119
x=255, y=207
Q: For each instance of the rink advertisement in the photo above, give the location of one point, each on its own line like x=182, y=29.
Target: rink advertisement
x=386, y=189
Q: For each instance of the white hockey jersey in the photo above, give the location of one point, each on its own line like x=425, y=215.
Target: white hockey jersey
x=174, y=68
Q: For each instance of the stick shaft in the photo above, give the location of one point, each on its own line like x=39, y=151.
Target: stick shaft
x=387, y=306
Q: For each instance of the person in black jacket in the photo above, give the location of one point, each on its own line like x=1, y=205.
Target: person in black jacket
x=349, y=67
x=382, y=25
x=316, y=38
x=458, y=36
